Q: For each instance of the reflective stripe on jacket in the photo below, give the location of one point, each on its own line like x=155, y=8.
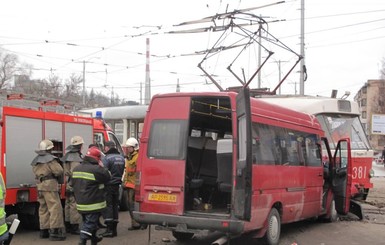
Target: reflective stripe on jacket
x=3, y=224
x=88, y=180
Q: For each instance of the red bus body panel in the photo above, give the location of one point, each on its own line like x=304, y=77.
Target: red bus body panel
x=162, y=176
x=297, y=190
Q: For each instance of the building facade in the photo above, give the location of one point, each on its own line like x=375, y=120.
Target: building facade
x=371, y=101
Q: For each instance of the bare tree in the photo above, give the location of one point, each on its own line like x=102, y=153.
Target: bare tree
x=72, y=92
x=382, y=71
x=8, y=68
x=55, y=87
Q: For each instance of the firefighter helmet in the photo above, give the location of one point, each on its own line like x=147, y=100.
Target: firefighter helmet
x=132, y=142
x=94, y=152
x=45, y=145
x=77, y=140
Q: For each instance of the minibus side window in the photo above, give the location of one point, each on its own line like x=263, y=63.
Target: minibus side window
x=312, y=151
x=274, y=145
x=167, y=139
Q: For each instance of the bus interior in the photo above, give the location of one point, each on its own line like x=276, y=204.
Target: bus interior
x=209, y=157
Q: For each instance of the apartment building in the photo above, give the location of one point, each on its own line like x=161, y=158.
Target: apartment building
x=371, y=101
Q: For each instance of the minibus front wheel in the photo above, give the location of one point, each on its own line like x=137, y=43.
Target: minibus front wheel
x=182, y=236
x=273, y=230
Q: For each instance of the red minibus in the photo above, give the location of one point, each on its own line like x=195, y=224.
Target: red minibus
x=222, y=161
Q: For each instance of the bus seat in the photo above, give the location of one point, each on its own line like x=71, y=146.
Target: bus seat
x=194, y=158
x=208, y=169
x=224, y=159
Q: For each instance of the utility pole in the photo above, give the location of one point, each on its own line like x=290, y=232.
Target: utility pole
x=279, y=73
x=259, y=57
x=302, y=63
x=84, y=78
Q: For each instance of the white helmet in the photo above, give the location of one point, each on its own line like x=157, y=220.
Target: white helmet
x=133, y=142
x=77, y=140
x=45, y=145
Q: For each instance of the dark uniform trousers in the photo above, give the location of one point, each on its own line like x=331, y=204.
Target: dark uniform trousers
x=111, y=213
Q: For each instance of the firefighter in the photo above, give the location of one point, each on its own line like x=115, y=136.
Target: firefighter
x=47, y=170
x=4, y=234
x=129, y=178
x=114, y=162
x=70, y=160
x=88, y=180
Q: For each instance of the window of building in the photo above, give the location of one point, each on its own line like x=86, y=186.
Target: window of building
x=381, y=142
x=363, y=102
x=363, y=115
x=364, y=90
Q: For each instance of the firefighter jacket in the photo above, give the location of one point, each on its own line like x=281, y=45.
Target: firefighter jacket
x=130, y=168
x=47, y=171
x=71, y=160
x=115, y=163
x=3, y=224
x=88, y=180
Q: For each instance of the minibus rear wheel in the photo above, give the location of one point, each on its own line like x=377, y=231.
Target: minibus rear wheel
x=182, y=236
x=273, y=227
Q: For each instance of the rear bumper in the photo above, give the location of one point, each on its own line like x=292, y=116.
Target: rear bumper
x=188, y=223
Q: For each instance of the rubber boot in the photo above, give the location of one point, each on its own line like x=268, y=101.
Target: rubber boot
x=134, y=225
x=75, y=229
x=44, y=233
x=82, y=241
x=95, y=238
x=67, y=226
x=109, y=231
x=56, y=235
x=115, y=229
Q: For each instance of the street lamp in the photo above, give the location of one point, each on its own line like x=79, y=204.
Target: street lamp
x=84, y=77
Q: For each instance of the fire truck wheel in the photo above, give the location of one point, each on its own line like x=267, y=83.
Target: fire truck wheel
x=182, y=236
x=273, y=227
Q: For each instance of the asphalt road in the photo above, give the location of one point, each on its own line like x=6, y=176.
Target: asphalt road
x=346, y=231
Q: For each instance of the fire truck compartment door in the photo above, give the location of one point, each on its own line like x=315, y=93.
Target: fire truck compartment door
x=243, y=182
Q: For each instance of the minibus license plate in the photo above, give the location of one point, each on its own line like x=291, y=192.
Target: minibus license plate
x=161, y=197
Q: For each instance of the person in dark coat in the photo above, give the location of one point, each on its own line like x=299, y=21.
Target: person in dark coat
x=114, y=162
x=88, y=180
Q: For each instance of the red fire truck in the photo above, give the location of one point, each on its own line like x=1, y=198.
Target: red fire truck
x=21, y=131
x=230, y=163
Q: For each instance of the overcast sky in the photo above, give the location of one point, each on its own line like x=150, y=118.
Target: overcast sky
x=344, y=40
